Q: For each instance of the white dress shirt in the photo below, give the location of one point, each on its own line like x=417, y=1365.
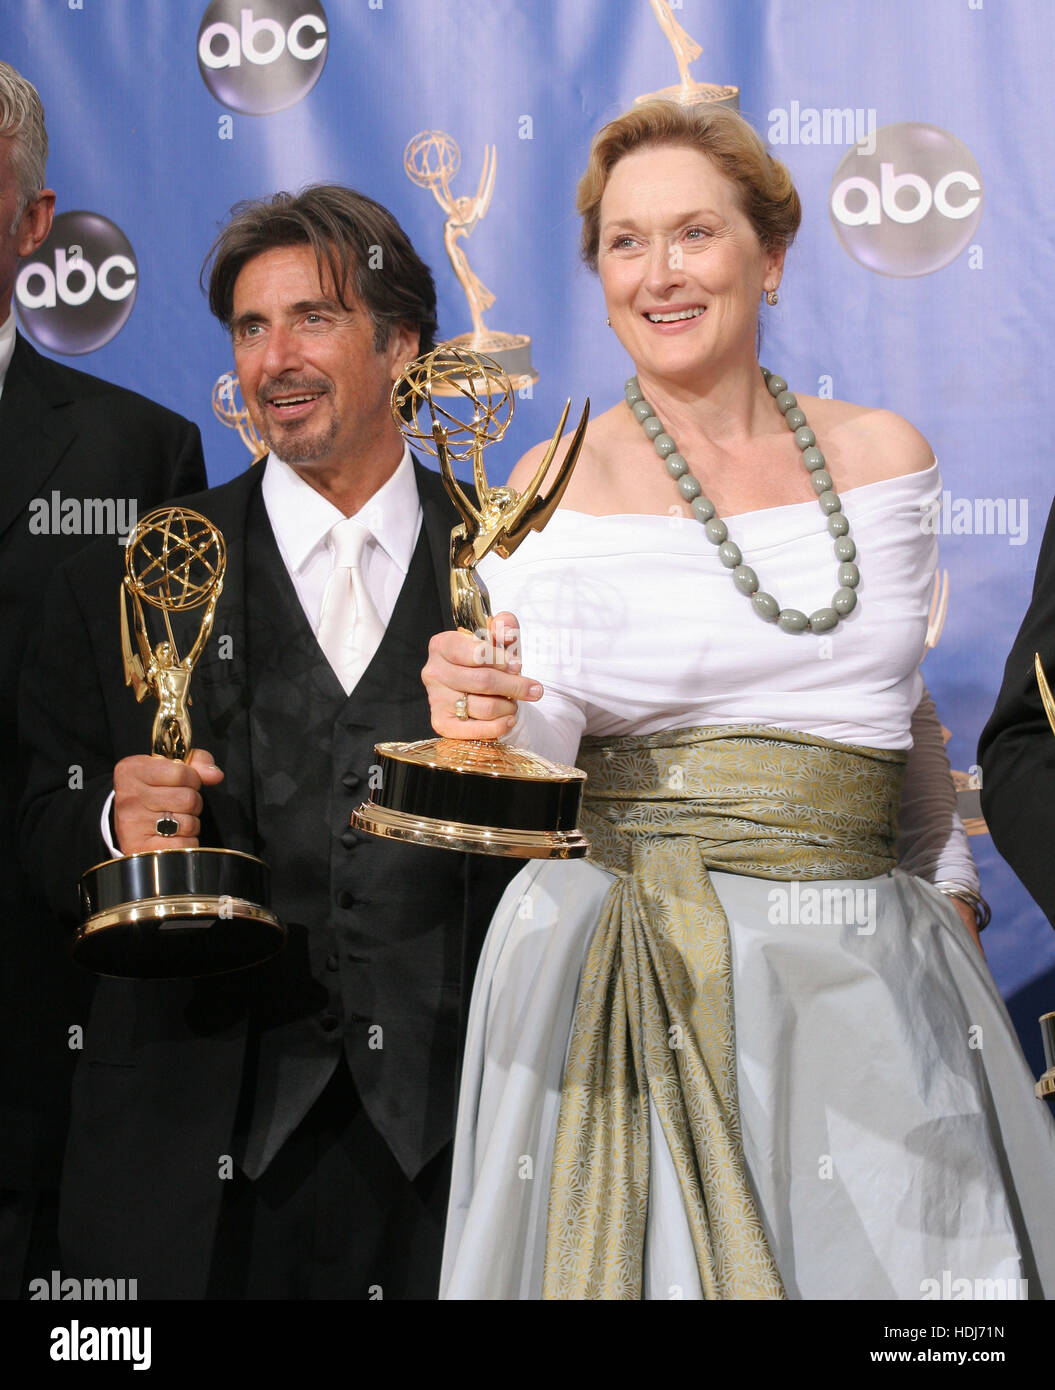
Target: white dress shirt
x=302, y=520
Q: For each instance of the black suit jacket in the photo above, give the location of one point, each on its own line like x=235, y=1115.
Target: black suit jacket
x=156, y=1094
x=1017, y=747
x=61, y=431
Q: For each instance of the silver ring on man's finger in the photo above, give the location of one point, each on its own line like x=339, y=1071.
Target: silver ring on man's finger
x=167, y=825
x=461, y=707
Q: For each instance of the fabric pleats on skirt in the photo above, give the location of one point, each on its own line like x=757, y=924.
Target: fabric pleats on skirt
x=744, y=1059
x=890, y=1132
x=654, y=1025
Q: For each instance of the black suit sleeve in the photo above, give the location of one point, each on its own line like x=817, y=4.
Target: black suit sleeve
x=188, y=471
x=1017, y=747
x=68, y=731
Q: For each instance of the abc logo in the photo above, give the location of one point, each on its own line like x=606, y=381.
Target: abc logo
x=262, y=56
x=78, y=290
x=912, y=205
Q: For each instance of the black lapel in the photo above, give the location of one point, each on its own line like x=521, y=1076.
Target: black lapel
x=34, y=431
x=219, y=708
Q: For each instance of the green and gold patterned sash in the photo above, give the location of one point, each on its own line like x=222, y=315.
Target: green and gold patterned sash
x=654, y=1020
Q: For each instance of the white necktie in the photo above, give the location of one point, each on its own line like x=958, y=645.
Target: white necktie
x=350, y=627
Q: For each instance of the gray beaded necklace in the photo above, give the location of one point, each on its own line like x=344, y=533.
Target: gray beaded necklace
x=765, y=605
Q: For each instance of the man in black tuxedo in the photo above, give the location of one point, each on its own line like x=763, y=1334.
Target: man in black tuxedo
x=284, y=1131
x=1017, y=747
x=62, y=432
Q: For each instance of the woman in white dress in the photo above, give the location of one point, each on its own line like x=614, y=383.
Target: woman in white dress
x=747, y=1049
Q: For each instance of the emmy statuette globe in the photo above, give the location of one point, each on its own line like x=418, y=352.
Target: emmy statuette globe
x=476, y=795
x=173, y=913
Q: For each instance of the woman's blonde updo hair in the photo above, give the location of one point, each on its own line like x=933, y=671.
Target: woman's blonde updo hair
x=767, y=195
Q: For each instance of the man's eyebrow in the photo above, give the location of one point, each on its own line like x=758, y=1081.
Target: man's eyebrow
x=305, y=306
x=301, y=306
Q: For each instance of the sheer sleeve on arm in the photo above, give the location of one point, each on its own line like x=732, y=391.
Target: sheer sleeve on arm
x=932, y=842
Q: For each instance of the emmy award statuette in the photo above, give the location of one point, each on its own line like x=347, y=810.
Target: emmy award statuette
x=431, y=160
x=686, y=50
x=226, y=408
x=173, y=913
x=480, y=796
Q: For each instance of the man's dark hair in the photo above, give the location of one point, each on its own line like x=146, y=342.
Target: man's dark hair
x=357, y=241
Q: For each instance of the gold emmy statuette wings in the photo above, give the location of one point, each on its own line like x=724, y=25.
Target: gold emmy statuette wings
x=174, y=561
x=1045, y=691
x=166, y=911
x=135, y=669
x=506, y=516
x=431, y=160
x=441, y=792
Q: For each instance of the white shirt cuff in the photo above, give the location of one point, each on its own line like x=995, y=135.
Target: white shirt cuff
x=106, y=827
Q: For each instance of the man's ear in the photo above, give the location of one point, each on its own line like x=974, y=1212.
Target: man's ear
x=36, y=222
x=403, y=344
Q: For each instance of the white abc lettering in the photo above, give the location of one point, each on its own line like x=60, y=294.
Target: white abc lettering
x=306, y=51
x=230, y=56
x=107, y=288
x=891, y=185
x=78, y=266
x=941, y=188
x=251, y=30
x=40, y=299
x=867, y=214
x=115, y=280
x=884, y=199
x=262, y=41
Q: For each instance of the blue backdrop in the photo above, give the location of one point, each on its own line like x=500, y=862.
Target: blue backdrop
x=918, y=135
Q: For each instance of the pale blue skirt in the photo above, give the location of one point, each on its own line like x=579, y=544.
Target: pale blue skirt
x=891, y=1133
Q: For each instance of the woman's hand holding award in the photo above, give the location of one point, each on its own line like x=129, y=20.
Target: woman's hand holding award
x=173, y=913
x=477, y=795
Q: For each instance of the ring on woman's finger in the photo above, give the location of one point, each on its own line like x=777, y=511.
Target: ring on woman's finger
x=167, y=825
x=461, y=707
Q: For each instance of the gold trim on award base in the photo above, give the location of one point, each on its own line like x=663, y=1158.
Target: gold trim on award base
x=173, y=913
x=687, y=50
x=431, y=159
x=476, y=795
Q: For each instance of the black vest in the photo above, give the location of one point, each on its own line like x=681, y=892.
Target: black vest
x=375, y=955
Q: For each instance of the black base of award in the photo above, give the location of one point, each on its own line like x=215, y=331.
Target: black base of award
x=484, y=798
x=176, y=914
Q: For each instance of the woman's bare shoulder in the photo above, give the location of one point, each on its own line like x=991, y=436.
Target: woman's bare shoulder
x=869, y=444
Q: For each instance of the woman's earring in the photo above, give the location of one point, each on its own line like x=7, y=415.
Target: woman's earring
x=608, y=322
x=772, y=297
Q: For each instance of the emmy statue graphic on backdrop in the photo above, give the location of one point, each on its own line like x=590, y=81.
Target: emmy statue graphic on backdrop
x=686, y=49
x=228, y=411
x=431, y=160
x=477, y=795
x=173, y=913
